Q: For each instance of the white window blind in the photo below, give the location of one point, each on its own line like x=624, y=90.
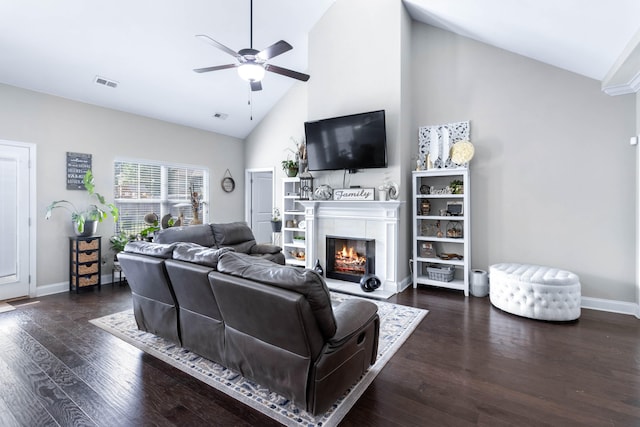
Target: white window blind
x=161, y=188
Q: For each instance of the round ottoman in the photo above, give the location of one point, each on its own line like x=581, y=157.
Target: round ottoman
x=535, y=291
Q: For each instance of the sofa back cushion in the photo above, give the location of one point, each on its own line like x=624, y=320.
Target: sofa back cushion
x=236, y=235
x=303, y=281
x=153, y=249
x=200, y=234
x=194, y=253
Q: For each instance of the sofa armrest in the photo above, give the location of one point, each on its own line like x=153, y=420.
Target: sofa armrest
x=352, y=316
x=264, y=248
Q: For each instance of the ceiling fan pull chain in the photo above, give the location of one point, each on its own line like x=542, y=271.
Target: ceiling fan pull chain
x=250, y=105
x=251, y=24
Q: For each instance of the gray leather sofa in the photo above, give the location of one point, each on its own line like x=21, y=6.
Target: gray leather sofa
x=236, y=235
x=274, y=324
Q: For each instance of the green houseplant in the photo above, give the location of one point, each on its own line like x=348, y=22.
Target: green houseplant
x=290, y=167
x=85, y=220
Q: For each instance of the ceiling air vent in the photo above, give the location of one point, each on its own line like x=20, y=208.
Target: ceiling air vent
x=106, y=82
x=221, y=116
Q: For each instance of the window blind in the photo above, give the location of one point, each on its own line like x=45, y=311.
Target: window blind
x=161, y=188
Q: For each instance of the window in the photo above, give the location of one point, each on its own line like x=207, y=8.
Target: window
x=142, y=187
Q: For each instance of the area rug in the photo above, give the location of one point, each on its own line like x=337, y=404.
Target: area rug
x=397, y=322
x=6, y=307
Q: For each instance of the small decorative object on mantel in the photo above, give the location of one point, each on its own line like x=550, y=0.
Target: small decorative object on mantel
x=306, y=185
x=353, y=194
x=323, y=192
x=394, y=191
x=445, y=146
x=227, y=183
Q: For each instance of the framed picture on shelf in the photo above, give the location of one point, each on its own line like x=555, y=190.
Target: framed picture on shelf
x=454, y=208
x=427, y=250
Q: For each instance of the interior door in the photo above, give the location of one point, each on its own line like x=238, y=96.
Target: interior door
x=261, y=205
x=14, y=221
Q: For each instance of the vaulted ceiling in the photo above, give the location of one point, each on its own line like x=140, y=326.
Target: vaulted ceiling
x=148, y=47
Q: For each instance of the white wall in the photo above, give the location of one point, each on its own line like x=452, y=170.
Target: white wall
x=358, y=56
x=58, y=125
x=270, y=142
x=553, y=179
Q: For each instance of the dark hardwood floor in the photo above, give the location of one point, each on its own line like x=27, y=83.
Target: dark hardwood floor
x=466, y=364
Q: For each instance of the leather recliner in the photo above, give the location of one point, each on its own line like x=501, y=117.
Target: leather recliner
x=274, y=324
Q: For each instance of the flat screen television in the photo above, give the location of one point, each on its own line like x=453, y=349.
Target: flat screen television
x=357, y=141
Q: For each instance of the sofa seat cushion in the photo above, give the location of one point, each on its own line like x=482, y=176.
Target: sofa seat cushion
x=200, y=234
x=150, y=248
x=194, y=253
x=303, y=281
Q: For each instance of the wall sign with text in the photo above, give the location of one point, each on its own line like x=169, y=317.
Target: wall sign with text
x=77, y=166
x=353, y=194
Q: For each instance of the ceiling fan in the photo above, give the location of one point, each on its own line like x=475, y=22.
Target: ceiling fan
x=252, y=63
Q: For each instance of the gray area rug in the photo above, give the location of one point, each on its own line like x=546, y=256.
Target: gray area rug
x=397, y=322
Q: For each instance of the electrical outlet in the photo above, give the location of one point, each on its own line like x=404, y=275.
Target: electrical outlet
x=633, y=140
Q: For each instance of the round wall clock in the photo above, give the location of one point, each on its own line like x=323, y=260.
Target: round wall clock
x=227, y=183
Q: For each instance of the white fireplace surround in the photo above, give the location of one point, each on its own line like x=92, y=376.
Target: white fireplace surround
x=378, y=220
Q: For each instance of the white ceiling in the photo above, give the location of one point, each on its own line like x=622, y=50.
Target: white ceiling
x=148, y=47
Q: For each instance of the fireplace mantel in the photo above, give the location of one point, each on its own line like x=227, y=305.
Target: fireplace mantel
x=372, y=219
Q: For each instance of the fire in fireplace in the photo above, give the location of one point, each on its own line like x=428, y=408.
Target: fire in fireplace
x=350, y=258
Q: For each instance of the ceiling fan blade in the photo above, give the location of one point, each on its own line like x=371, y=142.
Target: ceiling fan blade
x=215, y=68
x=219, y=45
x=278, y=48
x=255, y=86
x=286, y=72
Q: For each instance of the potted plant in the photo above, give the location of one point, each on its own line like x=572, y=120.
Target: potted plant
x=290, y=167
x=117, y=242
x=276, y=221
x=457, y=186
x=85, y=221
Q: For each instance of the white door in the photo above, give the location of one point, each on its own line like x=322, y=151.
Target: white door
x=261, y=187
x=14, y=221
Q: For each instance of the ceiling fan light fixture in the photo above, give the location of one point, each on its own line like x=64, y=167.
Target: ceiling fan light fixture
x=251, y=72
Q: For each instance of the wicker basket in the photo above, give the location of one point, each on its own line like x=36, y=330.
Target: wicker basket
x=441, y=274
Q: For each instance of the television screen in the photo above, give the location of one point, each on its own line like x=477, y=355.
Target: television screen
x=357, y=141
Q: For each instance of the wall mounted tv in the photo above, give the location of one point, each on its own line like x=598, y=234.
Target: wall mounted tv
x=357, y=141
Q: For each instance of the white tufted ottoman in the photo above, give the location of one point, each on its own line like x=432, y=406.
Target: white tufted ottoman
x=535, y=291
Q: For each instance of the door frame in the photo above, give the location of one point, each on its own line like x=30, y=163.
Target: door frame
x=33, y=219
x=248, y=173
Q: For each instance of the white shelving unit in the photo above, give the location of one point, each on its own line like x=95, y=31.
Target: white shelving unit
x=293, y=235
x=438, y=233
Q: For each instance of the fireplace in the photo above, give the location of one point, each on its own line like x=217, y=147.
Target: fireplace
x=350, y=258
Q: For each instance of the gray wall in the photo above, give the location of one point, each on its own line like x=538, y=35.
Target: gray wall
x=59, y=125
x=554, y=175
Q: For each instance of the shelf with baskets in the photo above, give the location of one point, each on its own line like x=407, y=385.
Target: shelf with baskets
x=441, y=228
x=293, y=224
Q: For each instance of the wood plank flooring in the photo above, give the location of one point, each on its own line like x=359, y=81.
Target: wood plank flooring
x=467, y=364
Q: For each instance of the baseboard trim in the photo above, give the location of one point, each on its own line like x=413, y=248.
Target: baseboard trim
x=589, y=303
x=58, y=288
x=612, y=306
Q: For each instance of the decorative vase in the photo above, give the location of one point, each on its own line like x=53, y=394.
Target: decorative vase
x=276, y=226
x=291, y=172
